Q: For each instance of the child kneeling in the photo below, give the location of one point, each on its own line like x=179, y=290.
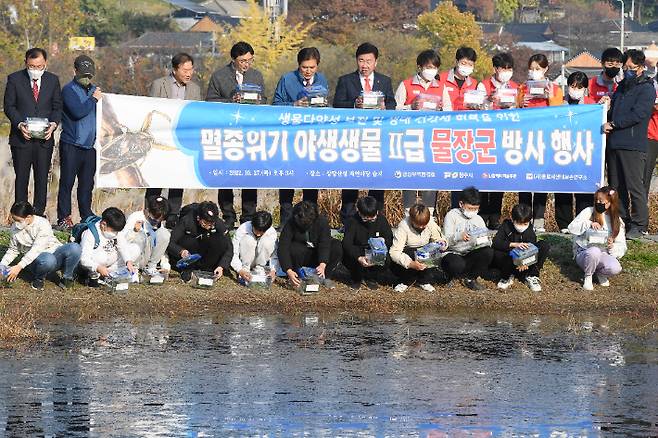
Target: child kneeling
x=363, y=226
x=147, y=240
x=254, y=245
x=201, y=231
x=462, y=261
x=600, y=259
x=415, y=231
x=32, y=237
x=517, y=234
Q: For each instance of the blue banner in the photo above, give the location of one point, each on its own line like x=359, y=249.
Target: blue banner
x=554, y=149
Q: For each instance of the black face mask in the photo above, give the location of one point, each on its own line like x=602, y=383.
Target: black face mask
x=599, y=207
x=611, y=72
x=154, y=222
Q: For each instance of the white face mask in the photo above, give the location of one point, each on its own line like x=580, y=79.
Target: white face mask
x=521, y=228
x=464, y=70
x=35, y=74
x=576, y=93
x=20, y=225
x=429, y=74
x=505, y=76
x=535, y=75
x=469, y=214
x=110, y=235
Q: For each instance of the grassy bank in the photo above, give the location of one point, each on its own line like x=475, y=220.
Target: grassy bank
x=633, y=293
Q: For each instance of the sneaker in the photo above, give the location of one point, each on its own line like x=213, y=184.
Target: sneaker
x=186, y=276
x=533, y=284
x=473, y=284
x=603, y=280
x=65, y=224
x=587, y=283
x=355, y=286
x=539, y=225
x=164, y=263
x=401, y=288
x=564, y=231
x=38, y=284
x=427, y=287
x=66, y=283
x=635, y=234
x=329, y=284
x=372, y=285
x=505, y=283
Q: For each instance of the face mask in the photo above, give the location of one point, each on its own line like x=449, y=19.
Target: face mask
x=469, y=214
x=599, y=207
x=20, y=225
x=576, y=93
x=535, y=75
x=521, y=228
x=505, y=76
x=429, y=74
x=630, y=74
x=154, y=222
x=35, y=74
x=418, y=230
x=110, y=235
x=611, y=72
x=85, y=81
x=465, y=70
x=368, y=220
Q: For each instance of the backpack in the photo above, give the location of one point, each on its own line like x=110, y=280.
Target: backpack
x=88, y=223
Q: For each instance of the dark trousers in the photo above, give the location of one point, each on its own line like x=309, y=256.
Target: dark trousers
x=537, y=201
x=503, y=261
x=491, y=203
x=650, y=166
x=174, y=196
x=427, y=197
x=225, y=200
x=348, y=199
x=211, y=249
x=472, y=265
x=38, y=159
x=411, y=276
x=626, y=173
x=80, y=163
x=358, y=273
x=285, y=202
x=564, y=204
x=302, y=255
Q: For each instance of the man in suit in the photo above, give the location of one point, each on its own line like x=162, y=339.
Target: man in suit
x=223, y=88
x=349, y=94
x=177, y=85
x=32, y=92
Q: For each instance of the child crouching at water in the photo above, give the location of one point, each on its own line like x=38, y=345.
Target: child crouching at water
x=599, y=238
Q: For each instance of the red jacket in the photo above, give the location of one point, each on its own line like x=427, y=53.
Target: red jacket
x=491, y=85
x=652, y=132
x=599, y=89
x=413, y=87
x=557, y=99
x=452, y=91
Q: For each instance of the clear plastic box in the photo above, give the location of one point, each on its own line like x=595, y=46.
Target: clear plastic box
x=430, y=254
x=376, y=254
x=260, y=278
x=310, y=279
x=597, y=238
x=316, y=96
x=525, y=257
x=429, y=102
x=203, y=279
x=250, y=93
x=538, y=89
x=37, y=126
x=475, y=99
x=4, y=273
x=373, y=99
x=506, y=97
x=118, y=281
x=480, y=238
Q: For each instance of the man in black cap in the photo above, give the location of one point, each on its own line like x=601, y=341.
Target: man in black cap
x=77, y=155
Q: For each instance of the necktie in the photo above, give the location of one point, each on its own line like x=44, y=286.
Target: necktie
x=366, y=81
x=35, y=90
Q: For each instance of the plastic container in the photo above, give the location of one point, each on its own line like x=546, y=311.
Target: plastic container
x=119, y=281
x=260, y=278
x=480, y=238
x=524, y=257
x=250, y=93
x=310, y=279
x=316, y=96
x=188, y=261
x=376, y=254
x=475, y=99
x=37, y=126
x=597, y=238
x=430, y=254
x=202, y=279
x=429, y=102
x=538, y=89
x=4, y=273
x=154, y=280
x=506, y=97
x=372, y=99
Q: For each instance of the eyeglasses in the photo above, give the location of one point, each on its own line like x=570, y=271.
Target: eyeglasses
x=245, y=61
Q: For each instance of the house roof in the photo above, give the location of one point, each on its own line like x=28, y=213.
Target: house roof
x=526, y=32
x=546, y=46
x=189, y=5
x=169, y=40
x=206, y=24
x=229, y=8
x=584, y=60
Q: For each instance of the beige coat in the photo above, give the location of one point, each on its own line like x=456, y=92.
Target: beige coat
x=404, y=236
x=162, y=88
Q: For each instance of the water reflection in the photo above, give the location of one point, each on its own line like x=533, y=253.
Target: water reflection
x=336, y=375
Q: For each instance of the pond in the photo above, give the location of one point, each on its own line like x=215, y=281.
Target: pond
x=334, y=375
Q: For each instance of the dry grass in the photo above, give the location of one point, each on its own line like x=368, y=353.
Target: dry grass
x=18, y=326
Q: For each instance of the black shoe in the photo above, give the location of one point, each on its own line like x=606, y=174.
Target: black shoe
x=66, y=283
x=635, y=234
x=473, y=284
x=92, y=282
x=186, y=276
x=355, y=286
x=38, y=284
x=372, y=285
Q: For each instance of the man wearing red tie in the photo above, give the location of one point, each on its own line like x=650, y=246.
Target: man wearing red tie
x=349, y=94
x=32, y=93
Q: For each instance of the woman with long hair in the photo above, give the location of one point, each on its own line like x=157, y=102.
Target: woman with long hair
x=599, y=258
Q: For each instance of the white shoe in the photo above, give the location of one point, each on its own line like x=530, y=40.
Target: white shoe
x=533, y=284
x=564, y=231
x=539, y=225
x=427, y=287
x=164, y=263
x=587, y=283
x=401, y=288
x=505, y=283
x=603, y=280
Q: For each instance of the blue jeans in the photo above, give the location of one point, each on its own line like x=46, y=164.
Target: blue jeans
x=65, y=258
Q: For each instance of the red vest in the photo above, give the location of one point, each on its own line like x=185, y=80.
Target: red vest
x=597, y=91
x=455, y=93
x=413, y=89
x=533, y=103
x=652, y=133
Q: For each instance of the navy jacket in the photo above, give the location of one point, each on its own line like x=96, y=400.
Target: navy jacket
x=349, y=88
x=291, y=87
x=79, y=116
x=19, y=104
x=630, y=111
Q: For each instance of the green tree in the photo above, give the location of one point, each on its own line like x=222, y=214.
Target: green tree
x=506, y=9
x=103, y=20
x=448, y=29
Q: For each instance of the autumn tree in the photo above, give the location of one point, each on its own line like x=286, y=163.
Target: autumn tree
x=448, y=29
x=505, y=9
